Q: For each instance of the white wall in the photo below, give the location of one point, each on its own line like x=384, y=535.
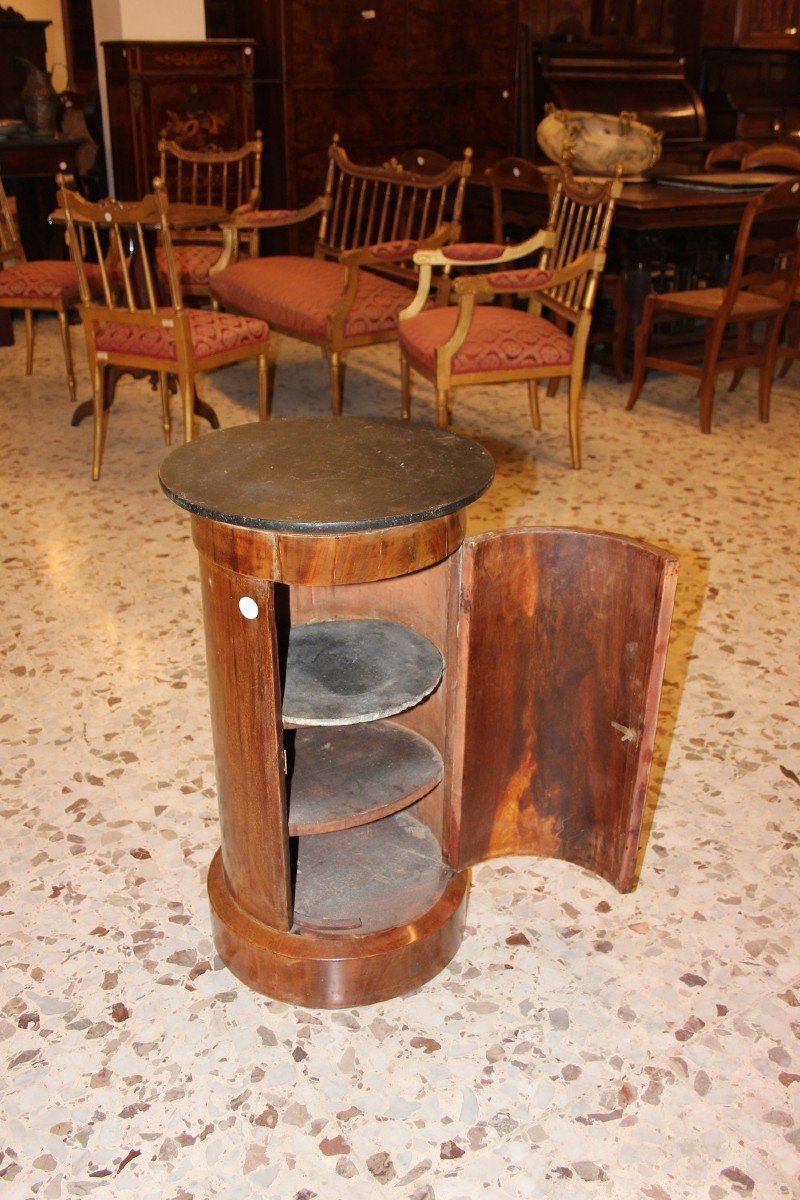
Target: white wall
x=137, y=20
x=49, y=10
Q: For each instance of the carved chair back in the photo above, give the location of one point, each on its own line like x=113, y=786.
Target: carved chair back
x=388, y=206
x=510, y=221
x=729, y=154
x=580, y=220
x=767, y=252
x=229, y=178
x=11, y=249
x=777, y=156
x=118, y=237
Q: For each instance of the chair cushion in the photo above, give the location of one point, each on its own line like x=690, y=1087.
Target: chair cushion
x=297, y=294
x=704, y=302
x=191, y=261
x=211, y=333
x=499, y=339
x=46, y=279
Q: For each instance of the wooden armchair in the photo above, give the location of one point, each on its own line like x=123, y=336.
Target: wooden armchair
x=42, y=286
x=475, y=343
x=509, y=179
x=229, y=178
x=371, y=222
x=131, y=326
x=762, y=283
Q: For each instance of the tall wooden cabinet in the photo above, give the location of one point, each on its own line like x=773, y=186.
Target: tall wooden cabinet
x=201, y=93
x=387, y=75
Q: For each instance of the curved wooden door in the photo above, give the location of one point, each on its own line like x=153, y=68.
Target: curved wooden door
x=562, y=637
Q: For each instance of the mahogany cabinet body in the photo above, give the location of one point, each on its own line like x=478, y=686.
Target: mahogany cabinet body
x=389, y=76
x=553, y=642
x=201, y=93
x=752, y=24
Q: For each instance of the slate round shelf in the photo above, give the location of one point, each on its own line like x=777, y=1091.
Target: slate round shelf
x=326, y=475
x=342, y=672
x=349, y=776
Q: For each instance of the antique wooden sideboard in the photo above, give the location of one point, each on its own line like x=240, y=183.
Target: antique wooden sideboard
x=392, y=703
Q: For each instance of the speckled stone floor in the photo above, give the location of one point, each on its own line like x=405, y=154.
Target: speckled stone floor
x=582, y=1043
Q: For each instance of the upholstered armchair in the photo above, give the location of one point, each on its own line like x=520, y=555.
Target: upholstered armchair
x=477, y=341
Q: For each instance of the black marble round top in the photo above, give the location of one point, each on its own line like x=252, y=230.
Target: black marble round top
x=326, y=475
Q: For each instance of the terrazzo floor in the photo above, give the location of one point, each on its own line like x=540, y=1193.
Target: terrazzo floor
x=582, y=1043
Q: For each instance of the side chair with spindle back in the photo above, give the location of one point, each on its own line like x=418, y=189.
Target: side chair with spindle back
x=49, y=285
x=372, y=220
x=133, y=325
x=228, y=178
x=752, y=306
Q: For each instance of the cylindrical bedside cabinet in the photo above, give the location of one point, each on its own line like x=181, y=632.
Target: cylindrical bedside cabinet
x=329, y=596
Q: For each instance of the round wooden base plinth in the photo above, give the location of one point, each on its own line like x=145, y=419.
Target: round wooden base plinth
x=337, y=968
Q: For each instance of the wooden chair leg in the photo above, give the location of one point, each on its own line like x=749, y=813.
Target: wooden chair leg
x=337, y=381
x=187, y=393
x=166, y=410
x=620, y=329
x=743, y=330
x=640, y=350
x=264, y=390
x=708, y=378
x=533, y=403
x=767, y=371
x=63, y=326
x=552, y=386
x=30, y=330
x=100, y=382
x=792, y=338
x=575, y=391
x=444, y=402
x=405, y=387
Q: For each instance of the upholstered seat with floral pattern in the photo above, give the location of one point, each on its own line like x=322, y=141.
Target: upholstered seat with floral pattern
x=192, y=262
x=45, y=280
x=499, y=339
x=211, y=333
x=296, y=295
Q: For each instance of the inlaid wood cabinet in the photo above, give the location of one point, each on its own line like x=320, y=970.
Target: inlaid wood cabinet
x=201, y=93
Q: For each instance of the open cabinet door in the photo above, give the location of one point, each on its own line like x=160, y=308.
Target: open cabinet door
x=562, y=636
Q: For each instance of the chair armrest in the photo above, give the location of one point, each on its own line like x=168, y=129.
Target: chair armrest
x=381, y=253
x=467, y=254
x=246, y=217
x=527, y=280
